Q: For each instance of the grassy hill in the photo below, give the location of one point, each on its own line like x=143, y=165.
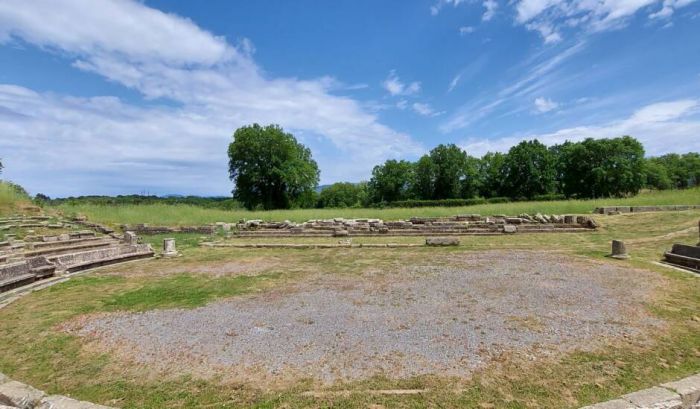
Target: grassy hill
x=12, y=200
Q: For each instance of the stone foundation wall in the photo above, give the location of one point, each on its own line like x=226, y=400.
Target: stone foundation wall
x=417, y=226
x=641, y=209
x=146, y=229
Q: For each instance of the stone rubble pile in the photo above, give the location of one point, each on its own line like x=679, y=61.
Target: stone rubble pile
x=417, y=226
x=15, y=394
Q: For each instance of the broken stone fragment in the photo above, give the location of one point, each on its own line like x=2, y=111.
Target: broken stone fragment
x=21, y=395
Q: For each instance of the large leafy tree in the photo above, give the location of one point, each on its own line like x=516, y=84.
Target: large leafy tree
x=657, y=176
x=343, y=194
x=683, y=170
x=529, y=170
x=490, y=168
x=602, y=167
x=391, y=181
x=269, y=168
x=447, y=172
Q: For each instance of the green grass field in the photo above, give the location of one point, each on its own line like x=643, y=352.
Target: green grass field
x=192, y=215
x=37, y=351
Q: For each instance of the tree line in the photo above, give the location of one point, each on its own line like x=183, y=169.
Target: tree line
x=271, y=169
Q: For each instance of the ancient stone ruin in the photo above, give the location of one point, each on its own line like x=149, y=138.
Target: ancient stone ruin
x=684, y=256
x=610, y=210
x=148, y=229
x=38, y=257
x=472, y=224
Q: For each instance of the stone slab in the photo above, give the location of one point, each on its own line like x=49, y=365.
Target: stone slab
x=613, y=404
x=442, y=241
x=688, y=388
x=63, y=402
x=23, y=396
x=655, y=398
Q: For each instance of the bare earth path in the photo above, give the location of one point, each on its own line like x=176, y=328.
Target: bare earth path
x=446, y=319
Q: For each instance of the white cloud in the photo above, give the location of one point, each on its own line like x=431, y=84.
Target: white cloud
x=550, y=17
x=425, y=109
x=217, y=87
x=464, y=30
x=435, y=9
x=545, y=104
x=138, y=33
x=662, y=127
x=395, y=87
x=490, y=6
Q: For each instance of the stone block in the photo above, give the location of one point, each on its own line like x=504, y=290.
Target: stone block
x=442, y=241
x=63, y=402
x=509, y=228
x=130, y=238
x=655, y=398
x=340, y=233
x=688, y=388
x=21, y=395
x=612, y=404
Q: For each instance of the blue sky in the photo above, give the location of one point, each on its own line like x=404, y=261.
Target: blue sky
x=120, y=97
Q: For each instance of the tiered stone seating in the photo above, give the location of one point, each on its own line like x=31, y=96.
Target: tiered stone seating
x=13, y=275
x=23, y=262
x=84, y=260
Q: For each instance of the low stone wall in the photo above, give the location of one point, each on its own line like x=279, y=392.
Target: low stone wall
x=684, y=256
x=417, y=226
x=95, y=258
x=146, y=229
x=15, y=394
x=641, y=209
x=311, y=245
x=682, y=394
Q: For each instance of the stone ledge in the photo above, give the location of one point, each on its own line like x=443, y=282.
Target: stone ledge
x=681, y=394
x=15, y=395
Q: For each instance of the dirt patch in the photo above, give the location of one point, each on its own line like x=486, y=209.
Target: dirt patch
x=445, y=320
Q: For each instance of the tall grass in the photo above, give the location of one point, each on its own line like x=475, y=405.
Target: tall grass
x=10, y=198
x=161, y=214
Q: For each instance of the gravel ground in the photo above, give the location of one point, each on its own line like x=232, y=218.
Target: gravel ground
x=417, y=320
